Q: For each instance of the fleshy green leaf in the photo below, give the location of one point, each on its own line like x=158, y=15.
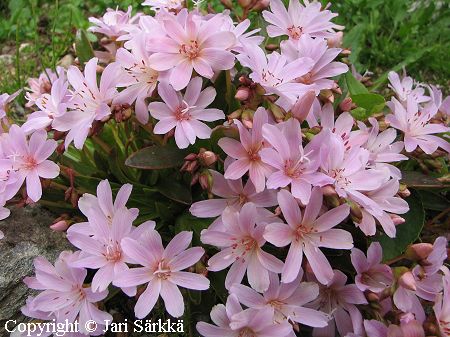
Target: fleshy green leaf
x=174, y=190
x=407, y=232
x=355, y=87
x=368, y=104
x=156, y=157
x=83, y=47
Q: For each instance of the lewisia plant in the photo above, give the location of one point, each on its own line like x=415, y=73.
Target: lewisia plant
x=241, y=179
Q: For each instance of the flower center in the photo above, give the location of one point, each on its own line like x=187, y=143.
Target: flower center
x=306, y=79
x=247, y=332
x=182, y=112
x=163, y=270
x=190, y=50
x=113, y=252
x=295, y=32
x=341, y=180
x=29, y=163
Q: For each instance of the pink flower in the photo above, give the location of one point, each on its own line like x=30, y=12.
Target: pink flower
x=243, y=38
x=191, y=45
x=348, y=168
x=293, y=164
x=383, y=200
x=28, y=158
x=102, y=206
x=316, y=49
x=407, y=329
x=442, y=305
x=241, y=242
x=371, y=274
x=113, y=23
x=404, y=89
x=247, y=152
x=286, y=301
x=307, y=233
x=276, y=75
x=138, y=78
x=64, y=294
x=103, y=250
x=41, y=85
x=338, y=299
x=233, y=195
x=89, y=102
x=232, y=321
x=51, y=106
x=162, y=271
x=5, y=99
x=420, y=283
x=382, y=147
x=157, y=5
x=184, y=113
x=299, y=20
x=416, y=126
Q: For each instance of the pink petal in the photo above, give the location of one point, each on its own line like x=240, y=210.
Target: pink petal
x=148, y=299
x=173, y=300
x=293, y=263
x=189, y=280
x=186, y=258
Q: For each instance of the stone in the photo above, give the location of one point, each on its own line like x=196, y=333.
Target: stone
x=26, y=236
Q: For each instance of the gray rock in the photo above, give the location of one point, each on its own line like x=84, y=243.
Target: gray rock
x=27, y=235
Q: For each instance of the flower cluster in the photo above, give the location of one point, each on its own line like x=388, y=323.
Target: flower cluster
x=302, y=191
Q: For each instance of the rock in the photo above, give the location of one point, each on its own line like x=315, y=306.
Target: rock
x=27, y=235
x=6, y=59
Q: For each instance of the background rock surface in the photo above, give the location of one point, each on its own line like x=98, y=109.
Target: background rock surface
x=27, y=235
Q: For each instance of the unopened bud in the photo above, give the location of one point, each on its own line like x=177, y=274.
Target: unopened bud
x=60, y=226
x=355, y=211
x=398, y=220
x=419, y=251
x=205, y=180
x=327, y=96
x=207, y=158
x=260, y=90
x=277, y=112
x=336, y=40
x=302, y=107
x=227, y=3
x=333, y=201
x=329, y=191
x=372, y=297
x=403, y=191
x=191, y=157
x=407, y=281
x=272, y=47
x=242, y=94
x=346, y=104
x=235, y=115
x=260, y=5
x=61, y=149
x=247, y=118
x=244, y=3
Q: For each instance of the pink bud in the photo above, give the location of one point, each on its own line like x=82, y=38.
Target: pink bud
x=60, y=226
x=328, y=190
x=398, y=220
x=242, y=94
x=336, y=40
x=302, y=107
x=346, y=104
x=419, y=251
x=407, y=281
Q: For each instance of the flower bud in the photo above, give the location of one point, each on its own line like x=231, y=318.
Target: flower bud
x=277, y=112
x=403, y=191
x=302, y=107
x=398, y=220
x=346, y=104
x=260, y=90
x=235, y=115
x=205, y=180
x=336, y=40
x=260, y=5
x=419, y=251
x=272, y=47
x=242, y=94
x=372, y=297
x=327, y=96
x=407, y=281
x=329, y=191
x=244, y=3
x=355, y=211
x=227, y=3
x=207, y=158
x=60, y=226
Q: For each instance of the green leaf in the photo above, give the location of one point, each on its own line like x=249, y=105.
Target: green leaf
x=83, y=47
x=368, y=105
x=188, y=222
x=408, y=232
x=433, y=201
x=156, y=157
x=174, y=190
x=354, y=86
